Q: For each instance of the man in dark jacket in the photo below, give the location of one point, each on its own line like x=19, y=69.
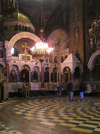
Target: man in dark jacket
x=70, y=89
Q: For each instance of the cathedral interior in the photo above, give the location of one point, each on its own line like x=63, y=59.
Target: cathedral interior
x=44, y=43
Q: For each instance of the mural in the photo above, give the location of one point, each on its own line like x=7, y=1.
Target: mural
x=75, y=11
x=13, y=74
x=76, y=35
x=35, y=74
x=58, y=40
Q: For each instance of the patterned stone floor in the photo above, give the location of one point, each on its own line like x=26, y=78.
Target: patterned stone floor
x=50, y=115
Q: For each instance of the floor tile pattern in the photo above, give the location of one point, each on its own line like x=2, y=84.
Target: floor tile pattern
x=50, y=115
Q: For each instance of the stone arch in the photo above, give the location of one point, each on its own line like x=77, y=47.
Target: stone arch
x=23, y=35
x=92, y=59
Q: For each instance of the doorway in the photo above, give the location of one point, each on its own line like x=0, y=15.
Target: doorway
x=25, y=75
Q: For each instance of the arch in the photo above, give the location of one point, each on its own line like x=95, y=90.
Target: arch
x=23, y=35
x=26, y=66
x=92, y=59
x=66, y=75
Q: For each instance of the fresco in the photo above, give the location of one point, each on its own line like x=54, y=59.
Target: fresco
x=13, y=73
x=58, y=40
x=76, y=35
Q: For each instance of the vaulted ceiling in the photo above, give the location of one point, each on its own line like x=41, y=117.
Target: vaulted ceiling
x=50, y=9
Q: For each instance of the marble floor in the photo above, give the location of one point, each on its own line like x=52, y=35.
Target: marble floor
x=50, y=115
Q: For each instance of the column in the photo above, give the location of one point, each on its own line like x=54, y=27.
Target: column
x=57, y=75
x=49, y=75
x=42, y=75
x=7, y=73
x=91, y=79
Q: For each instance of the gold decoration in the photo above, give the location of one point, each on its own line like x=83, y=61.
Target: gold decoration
x=25, y=50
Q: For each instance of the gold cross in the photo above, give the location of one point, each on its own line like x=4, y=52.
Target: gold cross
x=26, y=47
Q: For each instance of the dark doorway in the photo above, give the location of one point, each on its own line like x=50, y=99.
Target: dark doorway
x=25, y=75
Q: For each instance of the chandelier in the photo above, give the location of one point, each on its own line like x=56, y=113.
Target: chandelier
x=41, y=51
x=94, y=34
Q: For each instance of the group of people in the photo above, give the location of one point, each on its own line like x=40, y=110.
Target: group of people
x=70, y=89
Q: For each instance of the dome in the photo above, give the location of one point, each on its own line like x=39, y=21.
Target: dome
x=18, y=18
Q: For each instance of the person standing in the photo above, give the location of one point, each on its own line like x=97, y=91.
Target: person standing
x=60, y=89
x=82, y=88
x=70, y=89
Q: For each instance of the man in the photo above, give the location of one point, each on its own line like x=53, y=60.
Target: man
x=70, y=89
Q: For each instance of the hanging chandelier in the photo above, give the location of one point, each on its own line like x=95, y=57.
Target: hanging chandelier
x=41, y=49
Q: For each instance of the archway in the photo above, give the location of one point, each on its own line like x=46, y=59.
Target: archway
x=23, y=35
x=67, y=75
x=92, y=59
x=92, y=64
x=25, y=75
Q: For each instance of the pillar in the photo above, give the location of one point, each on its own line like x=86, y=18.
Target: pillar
x=49, y=75
x=42, y=75
x=91, y=78
x=7, y=73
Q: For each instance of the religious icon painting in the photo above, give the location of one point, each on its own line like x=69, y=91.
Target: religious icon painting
x=76, y=35
x=58, y=40
x=13, y=74
x=35, y=73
